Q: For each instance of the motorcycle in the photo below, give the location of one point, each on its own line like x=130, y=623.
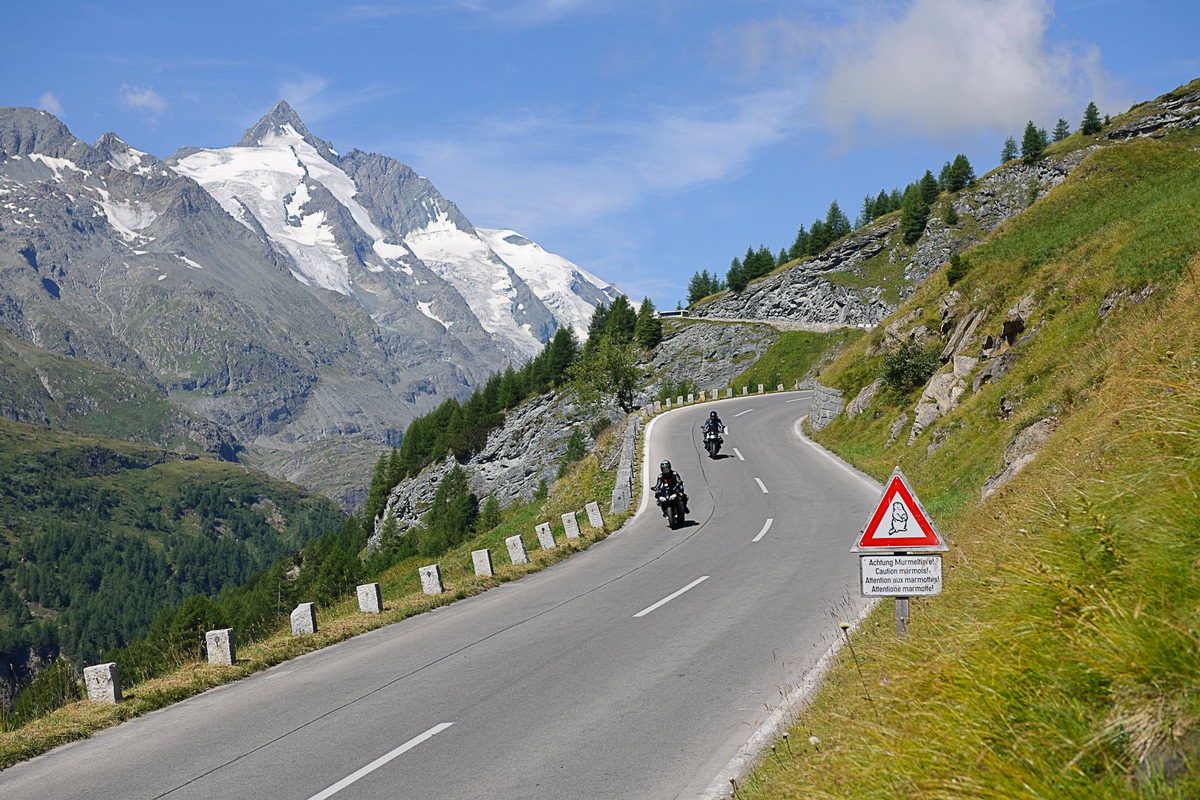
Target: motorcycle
x=712, y=443
x=671, y=502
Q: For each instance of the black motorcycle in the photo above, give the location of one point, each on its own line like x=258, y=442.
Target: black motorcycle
x=672, y=503
x=712, y=443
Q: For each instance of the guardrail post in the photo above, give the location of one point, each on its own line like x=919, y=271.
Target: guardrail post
x=219, y=645
x=545, y=536
x=370, y=599
x=571, y=525
x=516, y=550
x=304, y=619
x=482, y=560
x=593, y=513
x=431, y=579
x=103, y=683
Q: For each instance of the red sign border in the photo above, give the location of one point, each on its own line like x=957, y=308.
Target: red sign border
x=930, y=542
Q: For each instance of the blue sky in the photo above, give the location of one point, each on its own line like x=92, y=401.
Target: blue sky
x=643, y=139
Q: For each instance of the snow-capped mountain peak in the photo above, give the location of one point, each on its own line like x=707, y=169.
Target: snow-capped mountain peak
x=282, y=121
x=342, y=218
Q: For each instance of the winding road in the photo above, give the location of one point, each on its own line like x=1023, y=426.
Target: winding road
x=637, y=669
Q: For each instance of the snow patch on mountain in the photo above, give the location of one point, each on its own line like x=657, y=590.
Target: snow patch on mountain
x=271, y=182
x=570, y=292
x=129, y=218
x=466, y=262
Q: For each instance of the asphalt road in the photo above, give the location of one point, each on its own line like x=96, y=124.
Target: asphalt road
x=636, y=669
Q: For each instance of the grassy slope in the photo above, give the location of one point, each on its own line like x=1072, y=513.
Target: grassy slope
x=79, y=396
x=1062, y=659
x=797, y=355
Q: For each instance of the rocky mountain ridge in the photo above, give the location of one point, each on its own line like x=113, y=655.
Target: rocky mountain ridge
x=282, y=304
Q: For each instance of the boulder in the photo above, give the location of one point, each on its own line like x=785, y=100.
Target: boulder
x=1019, y=453
x=863, y=399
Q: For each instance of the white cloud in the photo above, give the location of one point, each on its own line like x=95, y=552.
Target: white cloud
x=538, y=172
x=946, y=66
x=143, y=99
x=305, y=95
x=50, y=102
x=314, y=101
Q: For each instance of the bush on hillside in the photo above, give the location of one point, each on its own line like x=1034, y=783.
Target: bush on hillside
x=910, y=366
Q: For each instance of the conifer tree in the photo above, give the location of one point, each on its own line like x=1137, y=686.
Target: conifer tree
x=490, y=515
x=884, y=204
x=1033, y=143
x=648, y=330
x=1062, y=129
x=866, y=213
x=596, y=328
x=563, y=350
x=622, y=320
x=799, y=247
x=736, y=276
x=961, y=174
x=1010, y=150
x=697, y=287
x=452, y=516
x=1091, y=120
x=378, y=490
x=837, y=224
x=914, y=213
x=929, y=188
x=818, y=237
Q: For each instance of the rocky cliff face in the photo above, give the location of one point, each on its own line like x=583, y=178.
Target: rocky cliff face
x=710, y=355
x=531, y=444
x=823, y=292
x=518, y=456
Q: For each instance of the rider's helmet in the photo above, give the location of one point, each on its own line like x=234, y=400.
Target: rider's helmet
x=712, y=415
x=665, y=467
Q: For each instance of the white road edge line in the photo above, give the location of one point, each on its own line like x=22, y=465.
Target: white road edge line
x=797, y=400
x=763, y=532
x=761, y=485
x=379, y=762
x=779, y=720
x=747, y=411
x=798, y=698
x=738, y=453
x=671, y=597
x=866, y=480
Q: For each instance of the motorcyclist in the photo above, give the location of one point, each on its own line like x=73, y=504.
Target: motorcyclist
x=668, y=481
x=713, y=424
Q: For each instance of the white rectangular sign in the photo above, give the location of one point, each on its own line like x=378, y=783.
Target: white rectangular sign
x=901, y=576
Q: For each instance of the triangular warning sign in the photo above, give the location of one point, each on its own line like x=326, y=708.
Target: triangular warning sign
x=899, y=522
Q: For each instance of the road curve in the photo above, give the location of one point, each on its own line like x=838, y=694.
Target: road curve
x=636, y=669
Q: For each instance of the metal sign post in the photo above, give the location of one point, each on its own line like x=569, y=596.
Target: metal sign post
x=900, y=550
